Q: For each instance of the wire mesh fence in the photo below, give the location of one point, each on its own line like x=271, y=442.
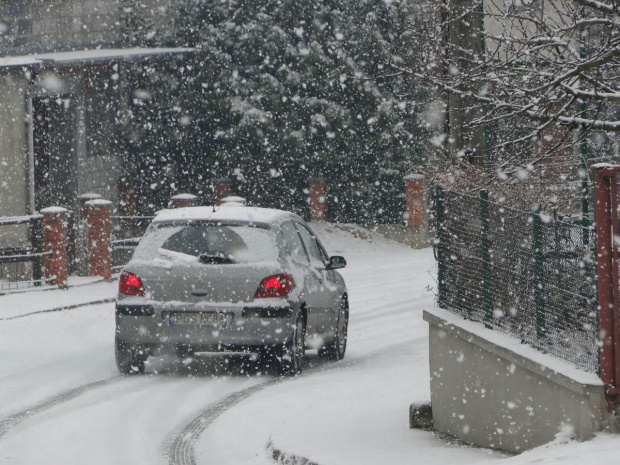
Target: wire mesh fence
x=525, y=274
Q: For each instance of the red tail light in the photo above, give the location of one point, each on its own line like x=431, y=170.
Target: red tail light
x=130, y=284
x=278, y=285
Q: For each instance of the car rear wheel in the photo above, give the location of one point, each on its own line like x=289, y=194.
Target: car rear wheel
x=293, y=353
x=336, y=349
x=129, y=360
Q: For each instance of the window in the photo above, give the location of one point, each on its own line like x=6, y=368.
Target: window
x=293, y=243
x=242, y=244
x=312, y=246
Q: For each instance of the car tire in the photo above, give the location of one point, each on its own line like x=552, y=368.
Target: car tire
x=336, y=349
x=128, y=359
x=293, y=352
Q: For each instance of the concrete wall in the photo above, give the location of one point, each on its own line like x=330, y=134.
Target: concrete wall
x=13, y=157
x=487, y=394
x=53, y=24
x=46, y=24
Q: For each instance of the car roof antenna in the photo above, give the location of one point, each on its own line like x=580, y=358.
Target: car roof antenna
x=214, y=207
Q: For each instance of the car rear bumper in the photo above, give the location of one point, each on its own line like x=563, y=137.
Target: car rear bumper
x=245, y=325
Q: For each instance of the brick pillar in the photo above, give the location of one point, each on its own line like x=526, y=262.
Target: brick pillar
x=128, y=199
x=99, y=232
x=183, y=200
x=415, y=210
x=85, y=198
x=221, y=189
x=318, y=199
x=55, y=262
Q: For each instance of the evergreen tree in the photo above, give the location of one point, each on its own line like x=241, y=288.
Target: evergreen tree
x=280, y=91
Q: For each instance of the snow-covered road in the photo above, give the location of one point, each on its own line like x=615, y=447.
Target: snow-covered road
x=63, y=401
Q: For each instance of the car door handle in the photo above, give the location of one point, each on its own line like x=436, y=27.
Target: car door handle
x=200, y=293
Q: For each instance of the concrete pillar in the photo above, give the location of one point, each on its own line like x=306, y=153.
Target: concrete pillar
x=99, y=233
x=221, y=189
x=183, y=200
x=415, y=210
x=55, y=262
x=318, y=199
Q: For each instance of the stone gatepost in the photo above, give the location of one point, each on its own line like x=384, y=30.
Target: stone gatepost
x=55, y=262
x=99, y=237
x=318, y=199
x=183, y=200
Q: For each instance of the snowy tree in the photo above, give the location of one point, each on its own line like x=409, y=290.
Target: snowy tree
x=526, y=83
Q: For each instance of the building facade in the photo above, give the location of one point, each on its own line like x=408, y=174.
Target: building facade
x=64, y=100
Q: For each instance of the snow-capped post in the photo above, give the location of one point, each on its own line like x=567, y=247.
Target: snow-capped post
x=221, y=189
x=55, y=261
x=608, y=287
x=99, y=233
x=183, y=200
x=85, y=198
x=318, y=199
x=414, y=200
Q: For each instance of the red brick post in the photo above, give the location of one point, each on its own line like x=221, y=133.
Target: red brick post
x=415, y=205
x=83, y=199
x=128, y=199
x=221, y=189
x=99, y=233
x=183, y=200
x=55, y=261
x=318, y=199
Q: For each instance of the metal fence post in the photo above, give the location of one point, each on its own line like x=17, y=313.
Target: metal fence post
x=36, y=239
x=539, y=298
x=487, y=295
x=439, y=247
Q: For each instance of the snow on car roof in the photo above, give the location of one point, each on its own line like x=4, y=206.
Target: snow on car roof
x=224, y=213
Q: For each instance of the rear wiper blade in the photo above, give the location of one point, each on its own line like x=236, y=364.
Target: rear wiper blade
x=218, y=259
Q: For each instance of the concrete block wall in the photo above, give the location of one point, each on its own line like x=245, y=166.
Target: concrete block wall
x=490, y=390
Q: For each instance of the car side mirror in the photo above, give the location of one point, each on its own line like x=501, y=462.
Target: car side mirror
x=336, y=262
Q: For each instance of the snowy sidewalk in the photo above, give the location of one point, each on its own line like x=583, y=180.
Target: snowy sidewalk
x=81, y=292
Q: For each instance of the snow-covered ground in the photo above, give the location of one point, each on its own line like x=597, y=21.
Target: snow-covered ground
x=63, y=402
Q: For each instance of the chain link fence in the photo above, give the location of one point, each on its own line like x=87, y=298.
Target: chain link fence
x=525, y=274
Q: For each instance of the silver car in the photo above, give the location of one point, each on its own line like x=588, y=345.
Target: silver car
x=230, y=279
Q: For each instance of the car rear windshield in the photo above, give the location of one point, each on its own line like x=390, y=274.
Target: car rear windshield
x=236, y=243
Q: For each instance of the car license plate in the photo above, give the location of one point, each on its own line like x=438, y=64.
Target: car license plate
x=208, y=319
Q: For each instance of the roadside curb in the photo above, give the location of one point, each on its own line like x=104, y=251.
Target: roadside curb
x=60, y=309
x=284, y=458
x=29, y=290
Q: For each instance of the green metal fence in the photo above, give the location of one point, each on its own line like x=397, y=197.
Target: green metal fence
x=522, y=273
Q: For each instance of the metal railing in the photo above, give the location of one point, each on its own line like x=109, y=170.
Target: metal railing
x=32, y=252
x=126, y=234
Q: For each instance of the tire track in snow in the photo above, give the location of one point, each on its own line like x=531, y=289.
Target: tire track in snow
x=181, y=447
x=13, y=420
